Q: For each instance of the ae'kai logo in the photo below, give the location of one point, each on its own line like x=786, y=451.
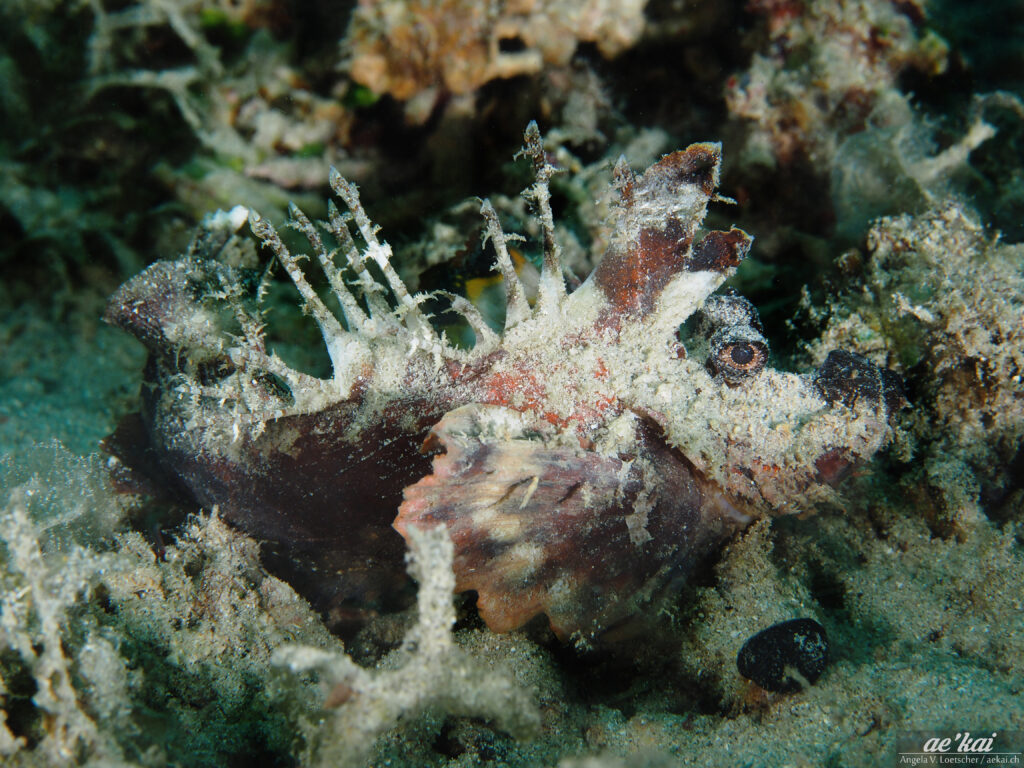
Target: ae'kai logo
x=961, y=749
x=967, y=744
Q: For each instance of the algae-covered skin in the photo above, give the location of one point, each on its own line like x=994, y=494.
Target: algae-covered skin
x=583, y=457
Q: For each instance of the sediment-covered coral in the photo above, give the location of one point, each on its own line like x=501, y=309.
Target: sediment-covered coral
x=202, y=618
x=38, y=589
x=895, y=165
x=943, y=300
x=421, y=49
x=829, y=68
x=189, y=99
x=256, y=115
x=100, y=633
x=49, y=215
x=584, y=458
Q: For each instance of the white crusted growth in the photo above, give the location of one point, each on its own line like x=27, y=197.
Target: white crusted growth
x=429, y=673
x=36, y=591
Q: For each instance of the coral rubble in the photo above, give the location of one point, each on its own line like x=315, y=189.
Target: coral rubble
x=420, y=50
x=828, y=66
x=101, y=634
x=943, y=300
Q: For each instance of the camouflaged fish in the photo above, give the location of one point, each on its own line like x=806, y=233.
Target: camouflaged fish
x=581, y=459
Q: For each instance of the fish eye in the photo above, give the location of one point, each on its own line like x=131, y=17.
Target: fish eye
x=741, y=355
x=737, y=359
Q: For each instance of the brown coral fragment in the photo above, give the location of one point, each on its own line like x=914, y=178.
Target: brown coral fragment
x=410, y=48
x=545, y=528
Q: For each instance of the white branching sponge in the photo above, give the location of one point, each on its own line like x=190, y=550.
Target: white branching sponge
x=428, y=673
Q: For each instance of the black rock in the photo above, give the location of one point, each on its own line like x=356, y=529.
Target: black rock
x=786, y=656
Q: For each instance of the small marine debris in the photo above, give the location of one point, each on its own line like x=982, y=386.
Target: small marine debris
x=785, y=657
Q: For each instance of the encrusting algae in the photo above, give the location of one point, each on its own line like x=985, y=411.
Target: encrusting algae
x=583, y=458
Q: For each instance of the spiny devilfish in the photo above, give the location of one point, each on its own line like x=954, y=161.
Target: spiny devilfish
x=582, y=459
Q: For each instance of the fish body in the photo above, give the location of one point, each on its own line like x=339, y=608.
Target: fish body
x=582, y=459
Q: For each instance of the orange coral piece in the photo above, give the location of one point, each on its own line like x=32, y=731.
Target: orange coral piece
x=408, y=48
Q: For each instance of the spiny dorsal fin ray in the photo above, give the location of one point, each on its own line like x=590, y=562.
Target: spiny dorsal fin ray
x=517, y=308
x=264, y=230
x=408, y=306
x=486, y=339
x=353, y=312
x=371, y=290
x=551, y=291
